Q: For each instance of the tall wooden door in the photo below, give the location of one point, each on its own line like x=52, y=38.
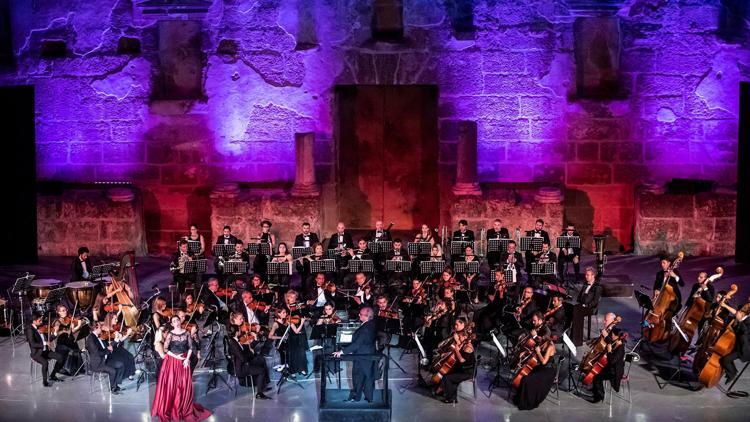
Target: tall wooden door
x=387, y=152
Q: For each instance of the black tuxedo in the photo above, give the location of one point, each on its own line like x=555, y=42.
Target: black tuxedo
x=300, y=239
x=334, y=243
x=384, y=236
x=591, y=298
x=613, y=372
x=248, y=364
x=493, y=258
x=568, y=257
x=708, y=294
x=541, y=233
x=232, y=240
x=556, y=322
x=468, y=236
x=313, y=295
x=519, y=262
x=363, y=369
x=494, y=234
x=675, y=283
x=99, y=362
x=76, y=271
x=403, y=253
x=42, y=355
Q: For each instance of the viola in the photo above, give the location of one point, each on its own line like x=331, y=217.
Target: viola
x=259, y=306
x=600, y=363
x=330, y=286
x=295, y=319
x=388, y=313
x=225, y=292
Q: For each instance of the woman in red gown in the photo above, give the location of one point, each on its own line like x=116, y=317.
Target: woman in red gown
x=174, y=389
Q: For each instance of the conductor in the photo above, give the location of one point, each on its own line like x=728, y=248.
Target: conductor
x=363, y=369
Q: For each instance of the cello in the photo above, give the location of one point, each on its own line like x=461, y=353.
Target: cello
x=602, y=361
x=597, y=348
x=657, y=319
x=692, y=318
x=528, y=365
x=119, y=283
x=716, y=342
x=444, y=362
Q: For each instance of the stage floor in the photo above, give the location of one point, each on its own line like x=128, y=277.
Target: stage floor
x=71, y=400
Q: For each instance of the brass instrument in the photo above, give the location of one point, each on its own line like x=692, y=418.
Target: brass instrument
x=184, y=257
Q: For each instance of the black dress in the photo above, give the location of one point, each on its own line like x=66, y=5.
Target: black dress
x=458, y=374
x=297, y=351
x=535, y=386
x=67, y=346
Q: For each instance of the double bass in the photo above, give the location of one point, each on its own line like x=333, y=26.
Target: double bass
x=691, y=319
x=598, y=348
x=657, y=319
x=717, y=341
x=127, y=269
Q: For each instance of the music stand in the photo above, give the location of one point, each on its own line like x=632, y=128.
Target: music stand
x=568, y=344
x=431, y=267
x=235, y=267
x=543, y=268
x=323, y=266
x=380, y=246
x=222, y=250
x=54, y=297
x=458, y=247
x=502, y=361
x=398, y=266
x=334, y=253
x=99, y=271
x=361, y=266
x=463, y=267
x=324, y=332
x=529, y=243
x=300, y=251
x=259, y=248
x=509, y=276
x=20, y=288
x=644, y=302
x=498, y=245
x=195, y=266
x=419, y=248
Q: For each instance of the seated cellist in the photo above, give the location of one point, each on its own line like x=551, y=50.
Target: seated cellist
x=615, y=367
x=741, y=344
x=463, y=369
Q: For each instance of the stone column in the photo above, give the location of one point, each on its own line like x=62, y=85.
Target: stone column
x=304, y=176
x=466, y=160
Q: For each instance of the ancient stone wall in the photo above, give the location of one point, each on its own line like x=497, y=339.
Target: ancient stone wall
x=107, y=221
x=597, y=105
x=698, y=224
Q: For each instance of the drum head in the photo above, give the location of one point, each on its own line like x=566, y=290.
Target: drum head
x=45, y=282
x=80, y=285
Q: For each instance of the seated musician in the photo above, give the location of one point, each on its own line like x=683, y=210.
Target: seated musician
x=307, y=278
x=99, y=361
x=470, y=281
x=363, y=296
x=328, y=316
x=177, y=265
x=340, y=240
x=283, y=255
x=362, y=251
x=674, y=279
x=398, y=253
x=238, y=255
x=438, y=325
x=554, y=318
x=535, y=386
x=542, y=257
x=615, y=367
x=703, y=288
x=741, y=349
x=260, y=263
x=226, y=238
x=397, y=279
x=387, y=321
x=538, y=232
x=81, y=268
x=463, y=350
x=306, y=238
x=159, y=313
x=425, y=235
x=248, y=363
x=197, y=237
x=447, y=278
x=211, y=296
x=435, y=253
x=490, y=316
x=41, y=351
x=463, y=234
x=248, y=308
x=523, y=314
x=102, y=305
x=569, y=254
x=413, y=306
x=321, y=295
x=512, y=259
x=378, y=234
x=496, y=232
x=117, y=333
x=65, y=330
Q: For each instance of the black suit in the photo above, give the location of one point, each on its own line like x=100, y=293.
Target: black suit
x=556, y=323
x=384, y=236
x=675, y=283
x=248, y=364
x=333, y=242
x=741, y=348
x=613, y=372
x=468, y=236
x=231, y=241
x=41, y=354
x=312, y=239
x=591, y=298
x=98, y=361
x=363, y=369
x=538, y=233
x=708, y=294
x=493, y=258
x=77, y=269
x=568, y=257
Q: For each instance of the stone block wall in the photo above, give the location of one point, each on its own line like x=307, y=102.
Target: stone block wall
x=698, y=224
x=268, y=70
x=244, y=209
x=108, y=222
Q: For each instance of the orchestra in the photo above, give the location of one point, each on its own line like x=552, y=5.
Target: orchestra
x=448, y=309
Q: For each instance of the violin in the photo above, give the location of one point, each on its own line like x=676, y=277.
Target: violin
x=418, y=296
x=249, y=332
x=520, y=308
x=330, y=319
x=330, y=286
x=225, y=292
x=388, y=313
x=259, y=306
x=296, y=306
x=294, y=319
